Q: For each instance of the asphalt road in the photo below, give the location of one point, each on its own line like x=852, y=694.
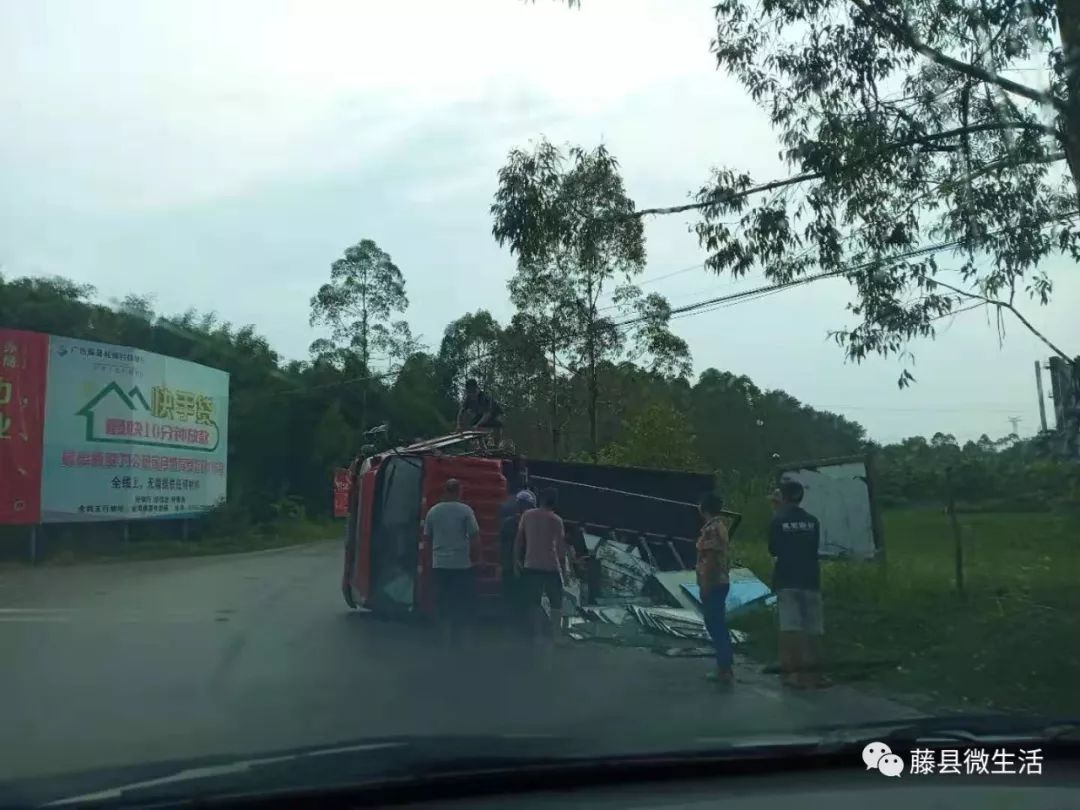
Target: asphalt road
x=125, y=663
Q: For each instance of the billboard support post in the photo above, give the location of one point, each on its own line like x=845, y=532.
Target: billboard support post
x=127, y=532
x=1039, y=393
x=184, y=530
x=33, y=543
x=958, y=538
x=872, y=483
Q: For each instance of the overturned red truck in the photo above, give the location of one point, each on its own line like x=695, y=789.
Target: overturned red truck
x=388, y=564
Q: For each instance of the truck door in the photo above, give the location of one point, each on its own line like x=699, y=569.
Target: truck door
x=395, y=534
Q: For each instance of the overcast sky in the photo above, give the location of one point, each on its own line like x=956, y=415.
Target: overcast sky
x=220, y=155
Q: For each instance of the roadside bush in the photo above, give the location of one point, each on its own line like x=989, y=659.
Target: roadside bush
x=224, y=520
x=288, y=509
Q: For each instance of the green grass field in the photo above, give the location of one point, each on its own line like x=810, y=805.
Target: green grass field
x=1012, y=642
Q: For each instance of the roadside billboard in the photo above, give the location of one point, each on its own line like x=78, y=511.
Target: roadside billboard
x=123, y=434
x=839, y=493
x=24, y=357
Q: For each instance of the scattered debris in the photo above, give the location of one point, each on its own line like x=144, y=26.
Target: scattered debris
x=572, y=592
x=746, y=590
x=671, y=621
x=638, y=605
x=605, y=615
x=687, y=652
x=698, y=651
x=622, y=572
x=592, y=541
x=669, y=587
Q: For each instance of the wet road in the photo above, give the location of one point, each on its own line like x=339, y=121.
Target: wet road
x=117, y=664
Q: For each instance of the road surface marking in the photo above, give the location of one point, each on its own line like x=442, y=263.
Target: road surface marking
x=212, y=771
x=61, y=615
x=31, y=619
x=27, y=615
x=771, y=694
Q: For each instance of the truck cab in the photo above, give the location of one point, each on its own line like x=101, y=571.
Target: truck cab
x=388, y=563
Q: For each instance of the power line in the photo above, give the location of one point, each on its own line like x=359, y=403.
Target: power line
x=730, y=195
x=681, y=295
x=750, y=298
x=783, y=285
x=739, y=296
x=647, y=280
x=758, y=292
x=928, y=408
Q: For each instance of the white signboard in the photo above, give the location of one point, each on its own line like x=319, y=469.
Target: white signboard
x=839, y=497
x=131, y=434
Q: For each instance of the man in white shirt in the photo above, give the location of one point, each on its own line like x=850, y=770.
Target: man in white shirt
x=452, y=530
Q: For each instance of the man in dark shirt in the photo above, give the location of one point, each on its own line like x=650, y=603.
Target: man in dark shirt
x=794, y=537
x=480, y=410
x=514, y=597
x=509, y=506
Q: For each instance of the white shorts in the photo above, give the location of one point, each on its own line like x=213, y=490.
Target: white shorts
x=800, y=611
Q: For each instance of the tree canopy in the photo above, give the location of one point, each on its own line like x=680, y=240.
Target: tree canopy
x=905, y=124
x=659, y=436
x=567, y=218
x=911, y=129
x=292, y=421
x=365, y=289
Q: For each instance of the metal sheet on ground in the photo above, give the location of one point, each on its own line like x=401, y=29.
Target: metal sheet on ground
x=745, y=590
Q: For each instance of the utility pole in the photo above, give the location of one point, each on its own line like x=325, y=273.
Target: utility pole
x=1015, y=422
x=1039, y=389
x=958, y=536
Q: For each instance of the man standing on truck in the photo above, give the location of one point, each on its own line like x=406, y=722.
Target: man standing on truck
x=480, y=410
x=540, y=554
x=794, y=536
x=451, y=529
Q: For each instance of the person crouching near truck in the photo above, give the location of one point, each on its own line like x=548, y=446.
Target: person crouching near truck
x=794, y=536
x=713, y=565
x=540, y=558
